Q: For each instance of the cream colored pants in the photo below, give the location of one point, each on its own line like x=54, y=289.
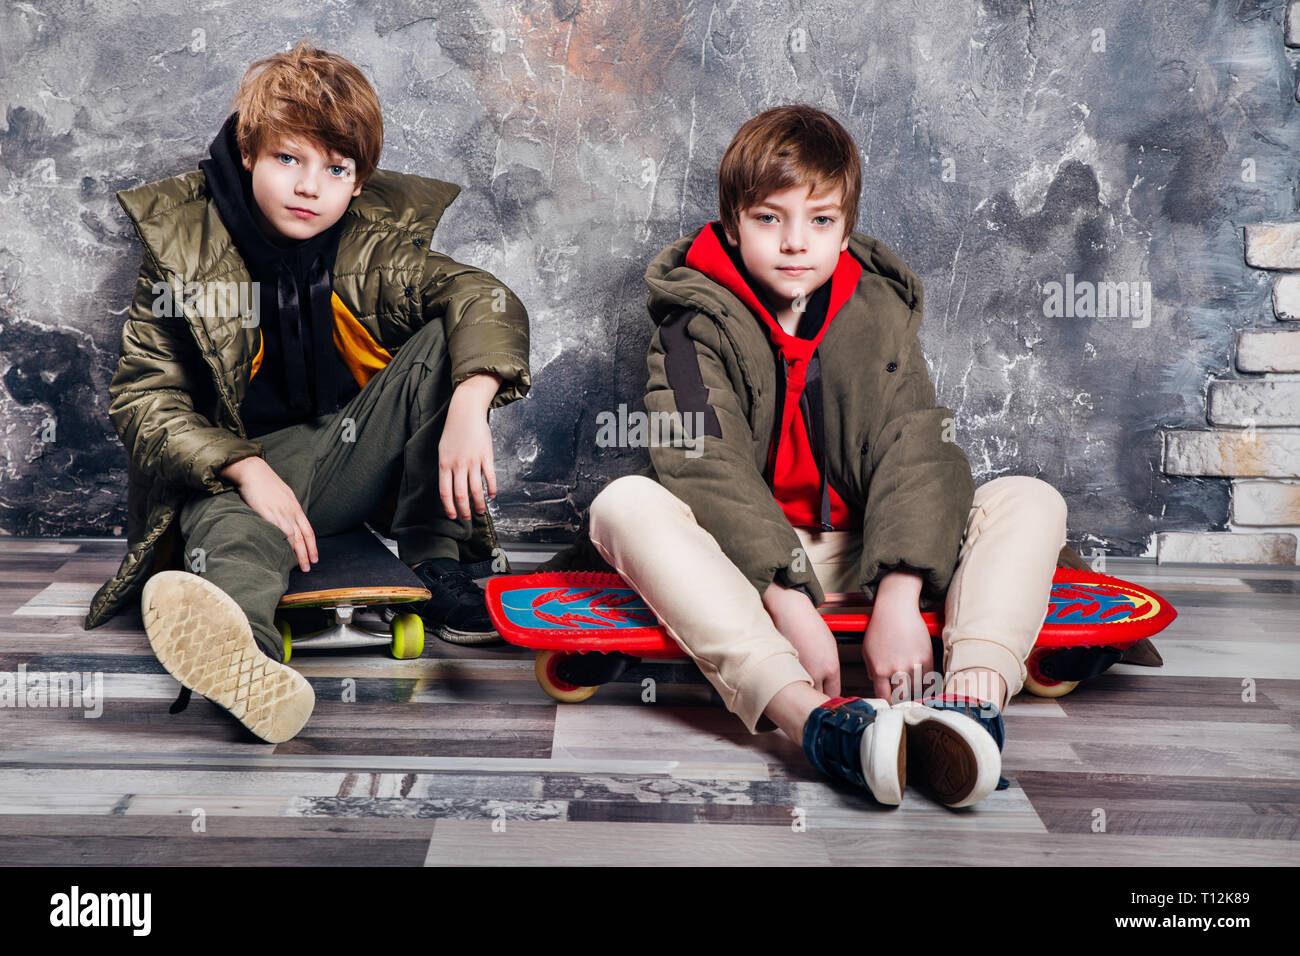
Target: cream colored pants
x=995, y=604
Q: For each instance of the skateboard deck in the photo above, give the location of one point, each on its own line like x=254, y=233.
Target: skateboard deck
x=356, y=569
x=567, y=615
x=355, y=566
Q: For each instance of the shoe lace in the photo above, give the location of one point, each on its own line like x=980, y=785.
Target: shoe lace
x=832, y=736
x=458, y=581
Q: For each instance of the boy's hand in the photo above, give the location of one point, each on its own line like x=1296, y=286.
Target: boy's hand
x=800, y=624
x=896, y=639
x=266, y=493
x=465, y=450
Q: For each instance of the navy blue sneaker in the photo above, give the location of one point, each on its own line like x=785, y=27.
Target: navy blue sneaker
x=861, y=741
x=954, y=744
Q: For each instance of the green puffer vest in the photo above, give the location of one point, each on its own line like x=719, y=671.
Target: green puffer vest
x=175, y=396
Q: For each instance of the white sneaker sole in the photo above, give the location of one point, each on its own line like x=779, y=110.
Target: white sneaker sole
x=203, y=639
x=884, y=754
x=952, y=754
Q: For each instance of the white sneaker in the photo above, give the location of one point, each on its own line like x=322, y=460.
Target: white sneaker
x=203, y=639
x=951, y=754
x=868, y=729
x=884, y=753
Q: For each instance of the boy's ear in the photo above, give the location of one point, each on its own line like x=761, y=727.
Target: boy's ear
x=845, y=244
x=244, y=157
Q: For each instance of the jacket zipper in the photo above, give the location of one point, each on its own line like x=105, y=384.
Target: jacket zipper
x=769, y=472
x=200, y=334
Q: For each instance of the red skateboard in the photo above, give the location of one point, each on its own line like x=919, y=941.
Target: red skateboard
x=589, y=627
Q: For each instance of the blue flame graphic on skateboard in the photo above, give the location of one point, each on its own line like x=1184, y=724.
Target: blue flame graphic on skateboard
x=1099, y=604
x=598, y=608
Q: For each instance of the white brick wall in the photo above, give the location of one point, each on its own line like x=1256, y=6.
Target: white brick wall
x=1254, y=438
x=1273, y=245
x=1259, y=403
x=1286, y=298
x=1239, y=453
x=1226, y=547
x=1265, y=502
x=1268, y=351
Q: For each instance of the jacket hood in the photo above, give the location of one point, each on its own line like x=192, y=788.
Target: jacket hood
x=713, y=257
x=674, y=285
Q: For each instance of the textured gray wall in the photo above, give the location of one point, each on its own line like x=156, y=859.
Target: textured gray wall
x=1004, y=148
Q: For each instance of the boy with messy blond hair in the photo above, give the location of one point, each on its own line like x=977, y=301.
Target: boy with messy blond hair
x=357, y=390
x=824, y=466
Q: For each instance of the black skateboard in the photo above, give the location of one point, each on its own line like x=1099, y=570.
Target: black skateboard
x=355, y=570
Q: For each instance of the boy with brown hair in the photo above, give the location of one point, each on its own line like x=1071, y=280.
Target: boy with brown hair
x=297, y=360
x=823, y=466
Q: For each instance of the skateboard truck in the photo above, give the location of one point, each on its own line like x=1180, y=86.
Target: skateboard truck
x=586, y=670
x=350, y=630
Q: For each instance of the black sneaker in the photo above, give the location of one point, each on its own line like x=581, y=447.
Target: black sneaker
x=457, y=609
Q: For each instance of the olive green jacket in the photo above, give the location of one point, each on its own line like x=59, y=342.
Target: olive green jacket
x=890, y=450
x=891, y=454
x=176, y=394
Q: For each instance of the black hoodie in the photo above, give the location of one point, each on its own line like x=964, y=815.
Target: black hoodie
x=302, y=375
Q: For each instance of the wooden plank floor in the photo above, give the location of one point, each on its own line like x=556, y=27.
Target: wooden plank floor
x=458, y=758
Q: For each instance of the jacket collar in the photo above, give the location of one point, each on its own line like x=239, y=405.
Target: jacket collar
x=231, y=188
x=710, y=255
x=674, y=286
x=180, y=228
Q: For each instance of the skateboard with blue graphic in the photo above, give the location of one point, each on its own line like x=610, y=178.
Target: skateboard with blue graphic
x=590, y=627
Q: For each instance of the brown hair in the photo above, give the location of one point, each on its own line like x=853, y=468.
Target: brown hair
x=314, y=95
x=784, y=147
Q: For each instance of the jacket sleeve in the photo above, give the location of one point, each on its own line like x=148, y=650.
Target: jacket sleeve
x=486, y=325
x=920, y=490
x=151, y=400
x=705, y=456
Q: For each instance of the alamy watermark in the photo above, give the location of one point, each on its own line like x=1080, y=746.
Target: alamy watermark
x=980, y=684
x=76, y=908
x=637, y=429
x=25, y=688
x=218, y=300
x=1098, y=300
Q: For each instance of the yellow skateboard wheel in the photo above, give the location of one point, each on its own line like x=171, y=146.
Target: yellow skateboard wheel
x=286, y=638
x=408, y=637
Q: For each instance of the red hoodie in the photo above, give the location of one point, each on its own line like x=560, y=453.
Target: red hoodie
x=792, y=464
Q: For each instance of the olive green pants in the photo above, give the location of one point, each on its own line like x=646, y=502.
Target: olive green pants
x=342, y=468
